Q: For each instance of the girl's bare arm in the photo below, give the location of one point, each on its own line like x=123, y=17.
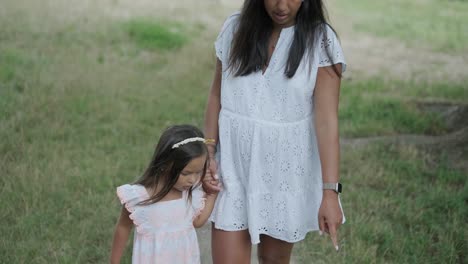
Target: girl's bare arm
x=121, y=234
x=200, y=220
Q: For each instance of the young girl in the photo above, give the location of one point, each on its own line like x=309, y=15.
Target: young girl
x=166, y=203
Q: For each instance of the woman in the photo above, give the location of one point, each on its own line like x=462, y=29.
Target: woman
x=273, y=111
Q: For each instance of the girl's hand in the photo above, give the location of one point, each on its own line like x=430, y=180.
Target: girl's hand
x=330, y=216
x=211, y=182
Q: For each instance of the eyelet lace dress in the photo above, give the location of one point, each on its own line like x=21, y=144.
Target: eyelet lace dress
x=267, y=154
x=164, y=231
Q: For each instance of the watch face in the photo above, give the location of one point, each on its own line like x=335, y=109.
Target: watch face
x=339, y=188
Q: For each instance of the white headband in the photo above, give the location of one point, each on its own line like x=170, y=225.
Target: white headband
x=188, y=140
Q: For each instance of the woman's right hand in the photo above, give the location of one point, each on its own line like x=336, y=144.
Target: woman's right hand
x=211, y=182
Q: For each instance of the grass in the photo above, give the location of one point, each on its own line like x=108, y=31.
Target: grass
x=371, y=116
x=379, y=107
x=85, y=120
x=407, y=90
x=11, y=61
x=85, y=94
x=404, y=206
x=440, y=25
x=152, y=35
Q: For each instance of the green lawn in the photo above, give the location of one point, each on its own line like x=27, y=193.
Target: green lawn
x=84, y=95
x=402, y=206
x=81, y=111
x=379, y=107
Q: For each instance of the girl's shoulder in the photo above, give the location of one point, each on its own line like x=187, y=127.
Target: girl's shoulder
x=133, y=188
x=131, y=193
x=130, y=196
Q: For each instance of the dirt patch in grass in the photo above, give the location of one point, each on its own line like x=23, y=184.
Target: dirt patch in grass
x=369, y=56
x=452, y=145
x=455, y=115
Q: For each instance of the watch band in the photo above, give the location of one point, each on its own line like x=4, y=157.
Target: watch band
x=337, y=187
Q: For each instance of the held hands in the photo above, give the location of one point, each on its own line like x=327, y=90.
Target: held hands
x=330, y=216
x=211, y=183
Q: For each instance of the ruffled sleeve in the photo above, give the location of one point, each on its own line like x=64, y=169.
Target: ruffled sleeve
x=130, y=196
x=330, y=51
x=224, y=39
x=198, y=201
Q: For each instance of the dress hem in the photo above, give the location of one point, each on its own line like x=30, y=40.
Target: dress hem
x=257, y=241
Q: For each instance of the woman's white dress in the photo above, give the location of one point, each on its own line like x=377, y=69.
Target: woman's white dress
x=267, y=154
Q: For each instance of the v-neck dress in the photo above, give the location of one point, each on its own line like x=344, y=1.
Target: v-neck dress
x=164, y=231
x=267, y=155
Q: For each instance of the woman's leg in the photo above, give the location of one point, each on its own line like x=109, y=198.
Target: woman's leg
x=230, y=247
x=273, y=251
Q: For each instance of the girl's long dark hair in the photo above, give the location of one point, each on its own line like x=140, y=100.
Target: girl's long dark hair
x=249, y=51
x=167, y=163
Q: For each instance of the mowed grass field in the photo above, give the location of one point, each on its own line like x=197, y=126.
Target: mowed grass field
x=86, y=88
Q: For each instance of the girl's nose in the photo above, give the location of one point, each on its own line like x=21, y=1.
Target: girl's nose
x=193, y=179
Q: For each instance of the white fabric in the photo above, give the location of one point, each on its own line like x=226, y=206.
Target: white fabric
x=164, y=231
x=267, y=153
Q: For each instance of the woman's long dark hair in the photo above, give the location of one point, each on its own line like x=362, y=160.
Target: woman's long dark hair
x=167, y=163
x=249, y=51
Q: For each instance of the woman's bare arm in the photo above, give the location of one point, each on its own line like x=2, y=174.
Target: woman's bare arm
x=210, y=185
x=326, y=97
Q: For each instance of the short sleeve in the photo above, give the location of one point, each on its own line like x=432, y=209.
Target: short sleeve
x=198, y=201
x=224, y=39
x=130, y=196
x=330, y=51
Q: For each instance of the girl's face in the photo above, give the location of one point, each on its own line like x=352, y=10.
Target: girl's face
x=282, y=12
x=191, y=174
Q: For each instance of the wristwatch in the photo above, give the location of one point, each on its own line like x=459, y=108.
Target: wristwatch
x=337, y=187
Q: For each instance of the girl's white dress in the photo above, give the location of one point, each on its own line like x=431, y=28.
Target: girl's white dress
x=164, y=231
x=267, y=154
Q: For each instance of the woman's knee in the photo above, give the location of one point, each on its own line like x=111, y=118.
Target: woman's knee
x=271, y=250
x=230, y=246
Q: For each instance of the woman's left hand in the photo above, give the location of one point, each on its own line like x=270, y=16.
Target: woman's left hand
x=211, y=182
x=330, y=216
